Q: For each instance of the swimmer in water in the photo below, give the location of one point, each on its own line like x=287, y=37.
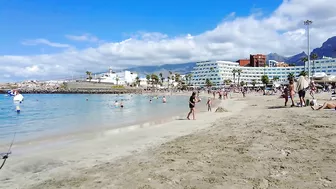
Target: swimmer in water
x=164, y=100
x=150, y=100
x=18, y=110
x=121, y=104
x=116, y=103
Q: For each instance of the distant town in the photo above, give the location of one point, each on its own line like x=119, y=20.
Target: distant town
x=253, y=72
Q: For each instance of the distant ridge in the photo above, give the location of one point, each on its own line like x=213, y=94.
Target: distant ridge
x=328, y=48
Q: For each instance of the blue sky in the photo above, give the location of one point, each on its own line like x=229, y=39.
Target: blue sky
x=111, y=20
x=58, y=38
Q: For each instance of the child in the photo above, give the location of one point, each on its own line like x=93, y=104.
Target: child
x=285, y=94
x=209, y=104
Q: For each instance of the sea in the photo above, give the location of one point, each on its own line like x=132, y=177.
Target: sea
x=44, y=115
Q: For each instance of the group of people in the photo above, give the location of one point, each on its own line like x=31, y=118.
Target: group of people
x=301, y=88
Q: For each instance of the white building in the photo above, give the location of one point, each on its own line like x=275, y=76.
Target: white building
x=218, y=71
x=119, y=78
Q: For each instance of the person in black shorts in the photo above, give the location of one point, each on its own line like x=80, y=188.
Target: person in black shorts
x=192, y=102
x=302, y=94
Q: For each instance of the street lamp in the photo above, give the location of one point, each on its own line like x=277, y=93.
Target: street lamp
x=308, y=23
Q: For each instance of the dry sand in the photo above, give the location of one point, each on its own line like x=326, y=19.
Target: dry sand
x=257, y=144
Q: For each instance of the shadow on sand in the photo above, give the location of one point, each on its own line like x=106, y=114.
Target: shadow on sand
x=181, y=119
x=276, y=107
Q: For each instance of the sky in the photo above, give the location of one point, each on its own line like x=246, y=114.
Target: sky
x=58, y=38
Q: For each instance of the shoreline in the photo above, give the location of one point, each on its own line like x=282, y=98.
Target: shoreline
x=259, y=143
x=74, y=134
x=148, y=135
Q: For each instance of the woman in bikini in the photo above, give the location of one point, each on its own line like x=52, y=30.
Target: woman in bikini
x=291, y=92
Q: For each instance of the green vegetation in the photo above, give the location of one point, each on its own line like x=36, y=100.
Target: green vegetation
x=118, y=87
x=208, y=83
x=264, y=79
x=303, y=73
x=290, y=77
x=254, y=83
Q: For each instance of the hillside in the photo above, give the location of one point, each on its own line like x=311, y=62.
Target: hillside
x=328, y=48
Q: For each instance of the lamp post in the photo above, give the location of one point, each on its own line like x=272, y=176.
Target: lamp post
x=308, y=23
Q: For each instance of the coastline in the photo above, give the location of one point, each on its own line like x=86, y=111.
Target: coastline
x=259, y=143
x=76, y=150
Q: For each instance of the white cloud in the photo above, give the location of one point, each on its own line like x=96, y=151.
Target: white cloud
x=85, y=37
x=235, y=37
x=45, y=42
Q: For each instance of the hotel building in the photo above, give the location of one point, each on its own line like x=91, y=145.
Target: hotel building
x=218, y=71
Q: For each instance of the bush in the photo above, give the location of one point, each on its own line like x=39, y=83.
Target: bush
x=118, y=87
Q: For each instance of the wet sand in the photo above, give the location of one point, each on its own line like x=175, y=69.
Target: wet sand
x=256, y=144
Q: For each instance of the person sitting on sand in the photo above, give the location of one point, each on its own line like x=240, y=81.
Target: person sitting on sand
x=326, y=105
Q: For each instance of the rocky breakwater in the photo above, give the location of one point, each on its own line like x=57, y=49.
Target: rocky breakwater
x=75, y=88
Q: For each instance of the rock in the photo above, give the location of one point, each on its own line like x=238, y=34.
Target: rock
x=221, y=109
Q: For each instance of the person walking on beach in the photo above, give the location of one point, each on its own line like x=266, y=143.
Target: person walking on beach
x=285, y=94
x=192, y=103
x=291, y=92
x=209, y=103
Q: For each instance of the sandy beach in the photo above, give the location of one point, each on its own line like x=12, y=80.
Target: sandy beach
x=257, y=143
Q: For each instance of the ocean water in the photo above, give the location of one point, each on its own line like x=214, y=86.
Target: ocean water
x=45, y=115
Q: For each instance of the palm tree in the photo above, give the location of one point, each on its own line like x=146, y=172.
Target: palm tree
x=290, y=77
x=303, y=73
x=208, y=83
x=276, y=78
x=148, y=77
x=227, y=81
x=265, y=81
x=161, y=78
x=314, y=57
x=168, y=78
x=210, y=71
x=254, y=83
x=304, y=60
x=89, y=75
x=137, y=80
x=117, y=80
x=239, y=71
x=189, y=76
x=155, y=79
x=234, y=71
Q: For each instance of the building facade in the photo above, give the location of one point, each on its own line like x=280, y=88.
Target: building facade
x=244, y=62
x=119, y=78
x=257, y=60
x=219, y=71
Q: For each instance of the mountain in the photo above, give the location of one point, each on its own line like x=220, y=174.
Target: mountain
x=275, y=56
x=164, y=69
x=296, y=59
x=328, y=49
